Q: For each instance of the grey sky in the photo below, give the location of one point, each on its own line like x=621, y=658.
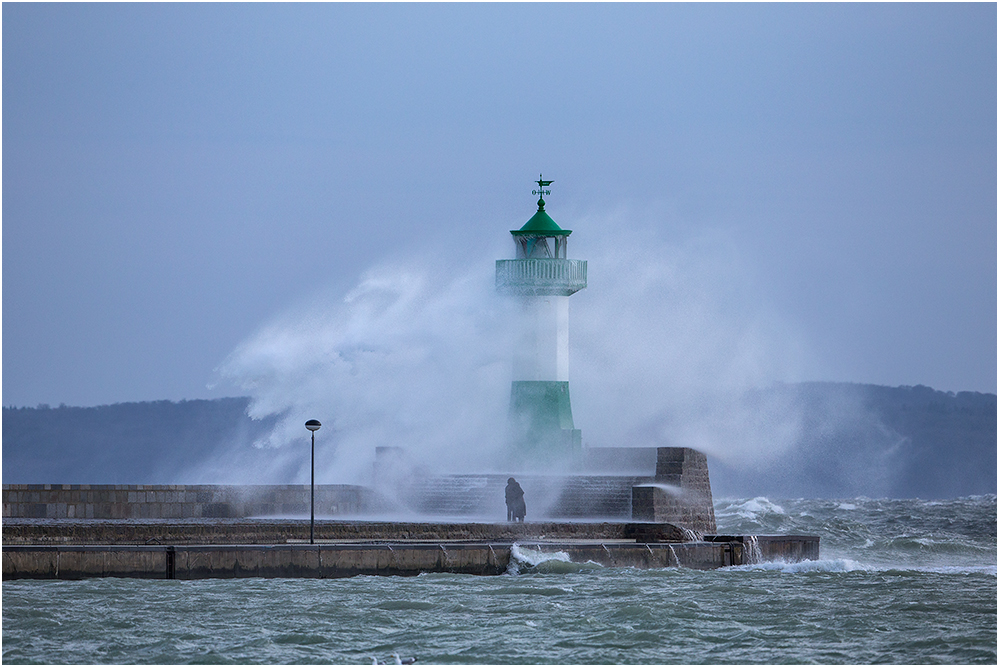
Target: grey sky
x=176, y=175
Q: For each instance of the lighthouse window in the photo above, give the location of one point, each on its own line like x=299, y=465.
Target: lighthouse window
x=533, y=247
x=560, y=243
x=541, y=247
x=521, y=246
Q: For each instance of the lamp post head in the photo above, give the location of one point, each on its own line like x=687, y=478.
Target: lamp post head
x=313, y=425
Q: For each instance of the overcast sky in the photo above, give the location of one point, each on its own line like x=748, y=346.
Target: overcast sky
x=175, y=175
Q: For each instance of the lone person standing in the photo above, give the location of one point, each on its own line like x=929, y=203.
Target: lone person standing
x=516, y=509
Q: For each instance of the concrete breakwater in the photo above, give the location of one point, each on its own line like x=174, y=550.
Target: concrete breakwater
x=630, y=507
x=73, y=550
x=331, y=560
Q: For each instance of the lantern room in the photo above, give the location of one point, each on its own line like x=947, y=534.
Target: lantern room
x=541, y=238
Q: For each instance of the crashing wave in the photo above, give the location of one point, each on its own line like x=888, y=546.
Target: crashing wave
x=524, y=560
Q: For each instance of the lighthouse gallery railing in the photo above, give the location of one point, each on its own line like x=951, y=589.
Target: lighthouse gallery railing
x=559, y=277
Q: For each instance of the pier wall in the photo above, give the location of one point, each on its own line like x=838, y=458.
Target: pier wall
x=177, y=501
x=676, y=490
x=74, y=549
x=339, y=560
x=70, y=532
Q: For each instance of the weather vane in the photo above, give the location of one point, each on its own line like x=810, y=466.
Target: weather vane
x=542, y=184
x=542, y=191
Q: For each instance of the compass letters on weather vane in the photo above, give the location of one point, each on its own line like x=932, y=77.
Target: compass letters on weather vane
x=542, y=186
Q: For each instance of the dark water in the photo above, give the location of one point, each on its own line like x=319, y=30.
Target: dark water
x=901, y=581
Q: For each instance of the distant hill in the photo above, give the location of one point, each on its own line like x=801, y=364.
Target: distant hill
x=157, y=442
x=900, y=442
x=869, y=440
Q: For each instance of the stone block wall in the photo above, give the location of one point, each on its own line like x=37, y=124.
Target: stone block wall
x=680, y=493
x=148, y=501
x=281, y=531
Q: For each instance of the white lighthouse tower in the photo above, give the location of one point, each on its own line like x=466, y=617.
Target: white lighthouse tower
x=543, y=279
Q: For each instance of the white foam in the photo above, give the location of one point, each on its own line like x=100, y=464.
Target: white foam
x=946, y=569
x=826, y=565
x=850, y=565
x=755, y=507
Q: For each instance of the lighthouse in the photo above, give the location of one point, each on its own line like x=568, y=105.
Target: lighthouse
x=542, y=278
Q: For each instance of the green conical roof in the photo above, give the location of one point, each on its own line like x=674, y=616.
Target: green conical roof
x=541, y=224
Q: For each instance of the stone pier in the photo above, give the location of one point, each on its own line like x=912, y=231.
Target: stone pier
x=233, y=549
x=621, y=507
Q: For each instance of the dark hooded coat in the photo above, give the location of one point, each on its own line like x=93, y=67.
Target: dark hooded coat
x=516, y=508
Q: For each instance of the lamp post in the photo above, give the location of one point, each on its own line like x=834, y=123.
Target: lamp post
x=313, y=425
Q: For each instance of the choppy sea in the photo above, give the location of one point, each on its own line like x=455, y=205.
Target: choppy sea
x=900, y=581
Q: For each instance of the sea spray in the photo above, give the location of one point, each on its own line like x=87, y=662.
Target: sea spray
x=680, y=320
x=410, y=357
x=751, y=552
x=668, y=341
x=671, y=489
x=691, y=535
